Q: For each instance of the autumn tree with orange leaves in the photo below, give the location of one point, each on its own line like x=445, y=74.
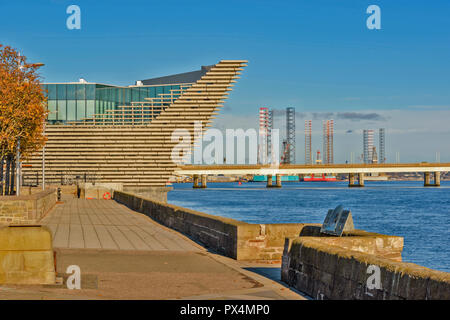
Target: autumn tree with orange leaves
x=22, y=104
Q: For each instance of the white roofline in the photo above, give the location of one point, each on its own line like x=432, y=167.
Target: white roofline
x=130, y=86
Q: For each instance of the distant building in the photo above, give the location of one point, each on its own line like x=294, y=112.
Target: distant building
x=328, y=133
x=374, y=155
x=318, y=158
x=382, y=142
x=369, y=150
x=367, y=145
x=263, y=135
x=270, y=143
x=290, y=135
x=308, y=151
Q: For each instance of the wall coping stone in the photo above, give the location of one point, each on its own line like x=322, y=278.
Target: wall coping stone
x=411, y=269
x=34, y=196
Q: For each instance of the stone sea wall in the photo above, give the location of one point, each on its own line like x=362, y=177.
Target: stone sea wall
x=322, y=266
x=232, y=238
x=353, y=267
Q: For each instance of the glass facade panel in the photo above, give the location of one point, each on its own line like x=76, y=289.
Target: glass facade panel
x=62, y=114
x=134, y=92
x=81, y=109
x=143, y=93
x=71, y=88
x=51, y=91
x=90, y=108
x=81, y=94
x=72, y=102
x=61, y=91
x=52, y=109
x=71, y=110
x=127, y=96
x=90, y=91
x=119, y=95
x=151, y=92
x=97, y=107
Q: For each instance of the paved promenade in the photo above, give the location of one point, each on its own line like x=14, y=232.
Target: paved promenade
x=123, y=254
x=102, y=224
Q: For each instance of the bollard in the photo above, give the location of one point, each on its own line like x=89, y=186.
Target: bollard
x=58, y=193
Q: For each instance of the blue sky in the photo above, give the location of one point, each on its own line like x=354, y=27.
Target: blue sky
x=317, y=56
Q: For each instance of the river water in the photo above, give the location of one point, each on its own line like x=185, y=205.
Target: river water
x=403, y=208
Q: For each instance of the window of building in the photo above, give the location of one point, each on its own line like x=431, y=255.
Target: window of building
x=71, y=88
x=81, y=93
x=51, y=91
x=61, y=111
x=71, y=110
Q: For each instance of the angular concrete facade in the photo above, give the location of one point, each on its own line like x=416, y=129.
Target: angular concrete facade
x=136, y=153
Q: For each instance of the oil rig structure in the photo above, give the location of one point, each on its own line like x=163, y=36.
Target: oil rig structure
x=266, y=152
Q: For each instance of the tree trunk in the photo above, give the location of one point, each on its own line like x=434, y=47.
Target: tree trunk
x=1, y=175
x=8, y=163
x=13, y=176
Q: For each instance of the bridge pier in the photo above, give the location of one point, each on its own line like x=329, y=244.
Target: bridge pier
x=427, y=179
x=196, y=178
x=361, y=179
x=204, y=178
x=270, y=181
x=278, y=182
x=352, y=180
x=437, y=179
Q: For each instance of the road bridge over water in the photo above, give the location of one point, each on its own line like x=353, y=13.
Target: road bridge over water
x=356, y=172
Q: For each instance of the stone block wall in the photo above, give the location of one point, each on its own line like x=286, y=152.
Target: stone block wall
x=155, y=193
x=232, y=238
x=359, y=240
x=327, y=270
x=26, y=256
x=264, y=242
x=26, y=209
x=88, y=190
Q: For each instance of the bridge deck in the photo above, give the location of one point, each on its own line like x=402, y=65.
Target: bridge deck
x=312, y=169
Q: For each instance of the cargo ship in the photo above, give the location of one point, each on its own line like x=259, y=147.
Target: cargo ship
x=318, y=178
